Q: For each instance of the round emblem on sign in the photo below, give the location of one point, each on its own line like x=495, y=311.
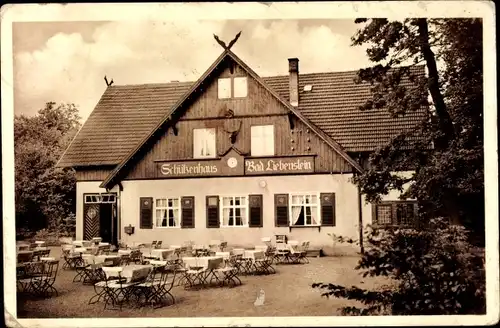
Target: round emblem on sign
x=232, y=162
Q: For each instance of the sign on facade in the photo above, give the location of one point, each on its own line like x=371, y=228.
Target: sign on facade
x=252, y=166
x=286, y=165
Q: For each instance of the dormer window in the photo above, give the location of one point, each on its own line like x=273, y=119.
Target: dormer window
x=232, y=87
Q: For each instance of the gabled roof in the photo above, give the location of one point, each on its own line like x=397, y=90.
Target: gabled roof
x=126, y=114
x=109, y=181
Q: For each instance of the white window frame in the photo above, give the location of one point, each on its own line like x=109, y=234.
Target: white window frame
x=88, y=198
x=230, y=92
x=258, y=140
x=242, y=93
x=198, y=143
x=167, y=208
x=219, y=88
x=318, y=209
x=234, y=207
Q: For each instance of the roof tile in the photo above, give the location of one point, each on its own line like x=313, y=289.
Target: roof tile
x=126, y=114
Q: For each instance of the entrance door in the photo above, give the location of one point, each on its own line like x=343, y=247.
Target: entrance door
x=100, y=219
x=106, y=218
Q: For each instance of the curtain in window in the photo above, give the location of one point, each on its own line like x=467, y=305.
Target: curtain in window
x=175, y=218
x=297, y=201
x=164, y=220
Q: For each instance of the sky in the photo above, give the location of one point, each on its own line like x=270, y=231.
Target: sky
x=66, y=62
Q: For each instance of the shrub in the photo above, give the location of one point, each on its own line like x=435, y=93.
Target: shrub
x=433, y=270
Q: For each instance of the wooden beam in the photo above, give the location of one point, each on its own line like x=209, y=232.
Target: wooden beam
x=174, y=128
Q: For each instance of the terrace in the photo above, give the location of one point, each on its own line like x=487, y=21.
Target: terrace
x=287, y=292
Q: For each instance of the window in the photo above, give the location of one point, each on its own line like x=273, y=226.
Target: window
x=92, y=198
x=108, y=198
x=204, y=143
x=224, y=88
x=234, y=211
x=395, y=213
x=304, y=210
x=167, y=212
x=236, y=87
x=240, y=87
x=262, y=142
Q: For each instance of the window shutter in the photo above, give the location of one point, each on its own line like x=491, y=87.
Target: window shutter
x=327, y=204
x=281, y=210
x=213, y=212
x=187, y=212
x=146, y=214
x=255, y=206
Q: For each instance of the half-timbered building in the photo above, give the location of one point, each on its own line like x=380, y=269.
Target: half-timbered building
x=231, y=156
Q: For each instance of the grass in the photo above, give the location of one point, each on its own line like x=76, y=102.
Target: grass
x=287, y=293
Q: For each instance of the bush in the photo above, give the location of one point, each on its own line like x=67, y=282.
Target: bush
x=433, y=270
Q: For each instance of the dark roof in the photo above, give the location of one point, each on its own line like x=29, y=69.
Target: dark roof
x=126, y=114
x=332, y=105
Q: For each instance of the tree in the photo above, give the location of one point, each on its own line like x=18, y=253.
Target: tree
x=446, y=148
x=45, y=195
x=431, y=271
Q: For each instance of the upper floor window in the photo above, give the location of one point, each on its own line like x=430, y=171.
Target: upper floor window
x=204, y=143
x=262, y=140
x=232, y=87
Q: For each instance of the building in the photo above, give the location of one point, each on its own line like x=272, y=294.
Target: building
x=232, y=157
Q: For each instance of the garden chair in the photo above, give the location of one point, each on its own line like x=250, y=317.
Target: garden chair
x=71, y=259
x=282, y=254
x=302, y=256
x=92, y=272
x=42, y=278
x=31, y=271
x=37, y=254
x=117, y=289
x=228, y=272
x=153, y=243
x=194, y=275
x=158, y=244
x=122, y=245
x=264, y=265
x=136, y=257
x=158, y=285
x=294, y=254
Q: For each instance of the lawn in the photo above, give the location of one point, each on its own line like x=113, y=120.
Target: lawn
x=287, y=293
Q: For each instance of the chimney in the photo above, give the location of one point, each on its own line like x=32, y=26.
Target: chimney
x=293, y=68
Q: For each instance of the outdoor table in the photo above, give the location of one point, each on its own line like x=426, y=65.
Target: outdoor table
x=40, y=242
x=124, y=251
x=24, y=256
x=113, y=260
x=224, y=255
x=22, y=247
x=161, y=254
x=81, y=250
x=132, y=273
x=82, y=243
x=293, y=242
x=261, y=248
x=238, y=251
